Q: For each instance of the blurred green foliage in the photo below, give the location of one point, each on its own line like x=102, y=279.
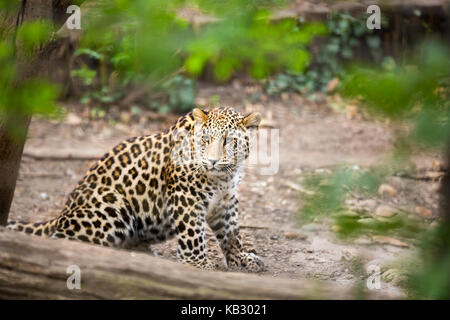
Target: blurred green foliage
x=9, y=5
x=346, y=35
x=253, y=43
x=177, y=93
x=181, y=94
x=329, y=190
x=129, y=43
x=148, y=42
x=432, y=281
x=417, y=92
x=32, y=35
x=20, y=98
x=327, y=197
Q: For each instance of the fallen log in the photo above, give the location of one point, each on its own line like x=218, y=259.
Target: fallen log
x=33, y=267
x=62, y=154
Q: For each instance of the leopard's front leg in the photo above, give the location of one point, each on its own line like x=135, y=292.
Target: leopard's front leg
x=190, y=227
x=224, y=223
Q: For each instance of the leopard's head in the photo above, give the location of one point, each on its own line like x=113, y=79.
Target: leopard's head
x=222, y=138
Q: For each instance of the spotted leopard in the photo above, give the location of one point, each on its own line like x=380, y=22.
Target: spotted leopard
x=171, y=184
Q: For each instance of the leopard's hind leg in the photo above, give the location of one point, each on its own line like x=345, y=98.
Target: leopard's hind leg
x=108, y=226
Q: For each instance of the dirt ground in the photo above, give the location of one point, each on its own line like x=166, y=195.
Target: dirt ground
x=314, y=136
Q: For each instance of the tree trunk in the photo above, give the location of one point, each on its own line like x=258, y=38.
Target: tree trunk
x=445, y=208
x=36, y=268
x=10, y=155
x=11, y=149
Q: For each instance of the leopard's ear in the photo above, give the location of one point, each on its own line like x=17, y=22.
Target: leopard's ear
x=252, y=120
x=199, y=115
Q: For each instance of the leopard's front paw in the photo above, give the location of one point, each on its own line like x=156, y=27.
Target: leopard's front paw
x=207, y=265
x=246, y=261
x=251, y=262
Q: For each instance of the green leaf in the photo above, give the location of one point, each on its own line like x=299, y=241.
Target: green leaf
x=195, y=63
x=86, y=74
x=91, y=53
x=34, y=34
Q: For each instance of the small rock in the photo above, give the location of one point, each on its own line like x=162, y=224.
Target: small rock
x=436, y=187
x=351, y=112
x=362, y=241
x=370, y=204
x=274, y=237
x=390, y=240
x=44, y=196
x=73, y=120
x=297, y=187
x=385, y=211
x=335, y=228
x=125, y=117
x=331, y=86
x=348, y=254
x=311, y=227
x=295, y=235
x=438, y=165
x=423, y=212
x=388, y=190
x=322, y=170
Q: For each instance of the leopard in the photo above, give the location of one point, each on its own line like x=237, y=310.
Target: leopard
x=172, y=184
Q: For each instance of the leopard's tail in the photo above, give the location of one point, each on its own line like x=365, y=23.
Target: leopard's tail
x=39, y=228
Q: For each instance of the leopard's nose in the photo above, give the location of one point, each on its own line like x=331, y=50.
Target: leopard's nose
x=213, y=161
